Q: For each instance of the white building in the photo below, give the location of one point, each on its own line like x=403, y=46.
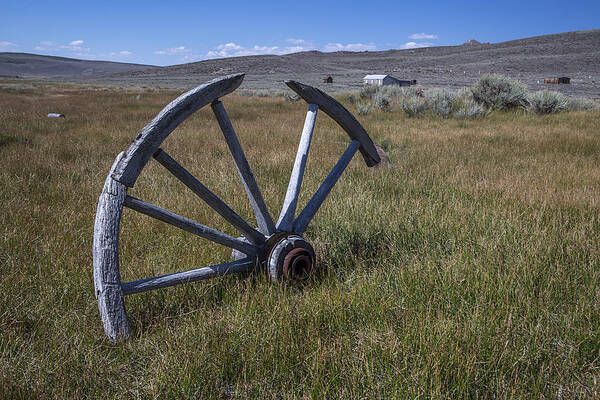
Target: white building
x=375, y=79
x=383, y=80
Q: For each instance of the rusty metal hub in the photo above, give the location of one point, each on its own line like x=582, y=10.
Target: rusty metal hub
x=285, y=255
x=291, y=257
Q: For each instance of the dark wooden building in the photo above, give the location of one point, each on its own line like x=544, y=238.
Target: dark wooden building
x=556, y=81
x=327, y=79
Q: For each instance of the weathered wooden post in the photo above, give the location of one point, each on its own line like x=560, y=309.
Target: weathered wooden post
x=279, y=247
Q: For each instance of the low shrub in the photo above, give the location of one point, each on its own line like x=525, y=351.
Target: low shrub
x=348, y=98
x=577, y=104
x=363, y=108
x=262, y=93
x=464, y=94
x=499, y=92
x=392, y=91
x=440, y=102
x=547, y=102
x=411, y=91
x=469, y=108
x=367, y=92
x=414, y=106
x=491, y=92
x=382, y=101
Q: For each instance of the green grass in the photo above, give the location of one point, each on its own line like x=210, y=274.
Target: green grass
x=469, y=269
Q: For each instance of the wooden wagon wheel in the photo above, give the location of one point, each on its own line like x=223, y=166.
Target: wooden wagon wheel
x=277, y=246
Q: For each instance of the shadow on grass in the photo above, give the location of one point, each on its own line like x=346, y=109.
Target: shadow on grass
x=350, y=248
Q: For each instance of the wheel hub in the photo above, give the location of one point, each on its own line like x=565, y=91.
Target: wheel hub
x=290, y=257
x=285, y=255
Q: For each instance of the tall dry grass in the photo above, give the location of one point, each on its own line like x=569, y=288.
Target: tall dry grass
x=469, y=269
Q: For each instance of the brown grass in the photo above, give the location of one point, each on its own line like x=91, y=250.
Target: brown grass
x=470, y=269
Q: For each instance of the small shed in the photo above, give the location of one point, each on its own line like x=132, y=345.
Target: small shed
x=327, y=79
x=556, y=81
x=384, y=80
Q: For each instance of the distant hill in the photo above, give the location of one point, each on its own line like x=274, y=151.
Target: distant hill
x=574, y=54
x=38, y=66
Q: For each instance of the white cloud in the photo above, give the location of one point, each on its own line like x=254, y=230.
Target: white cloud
x=266, y=49
x=173, y=51
x=418, y=36
x=296, y=49
x=235, y=50
x=4, y=45
x=118, y=54
x=74, y=46
x=350, y=47
x=122, y=55
x=74, y=49
x=415, y=45
x=299, y=42
x=298, y=45
x=228, y=50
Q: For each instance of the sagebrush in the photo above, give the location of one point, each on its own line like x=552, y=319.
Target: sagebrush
x=491, y=92
x=500, y=92
x=547, y=102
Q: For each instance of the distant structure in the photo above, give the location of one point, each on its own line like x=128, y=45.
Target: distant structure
x=384, y=80
x=561, y=80
x=473, y=42
x=327, y=79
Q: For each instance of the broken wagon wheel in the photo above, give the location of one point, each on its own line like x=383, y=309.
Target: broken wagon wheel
x=280, y=247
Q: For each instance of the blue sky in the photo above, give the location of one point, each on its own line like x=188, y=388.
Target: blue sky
x=174, y=32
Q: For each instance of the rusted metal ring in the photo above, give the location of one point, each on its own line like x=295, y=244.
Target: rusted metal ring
x=290, y=257
x=297, y=263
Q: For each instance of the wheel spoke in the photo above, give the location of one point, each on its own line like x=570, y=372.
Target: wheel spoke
x=263, y=218
x=188, y=225
x=315, y=202
x=209, y=197
x=288, y=210
x=244, y=265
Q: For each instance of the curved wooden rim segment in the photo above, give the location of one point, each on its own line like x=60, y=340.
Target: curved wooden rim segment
x=107, y=278
x=147, y=142
x=339, y=114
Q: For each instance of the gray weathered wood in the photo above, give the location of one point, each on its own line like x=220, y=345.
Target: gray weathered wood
x=209, y=197
x=188, y=225
x=152, y=135
x=288, y=211
x=311, y=208
x=244, y=265
x=263, y=218
x=107, y=278
x=340, y=115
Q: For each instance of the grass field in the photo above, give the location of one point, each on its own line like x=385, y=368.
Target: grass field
x=470, y=269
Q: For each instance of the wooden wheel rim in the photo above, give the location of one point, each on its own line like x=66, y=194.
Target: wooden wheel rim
x=109, y=289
